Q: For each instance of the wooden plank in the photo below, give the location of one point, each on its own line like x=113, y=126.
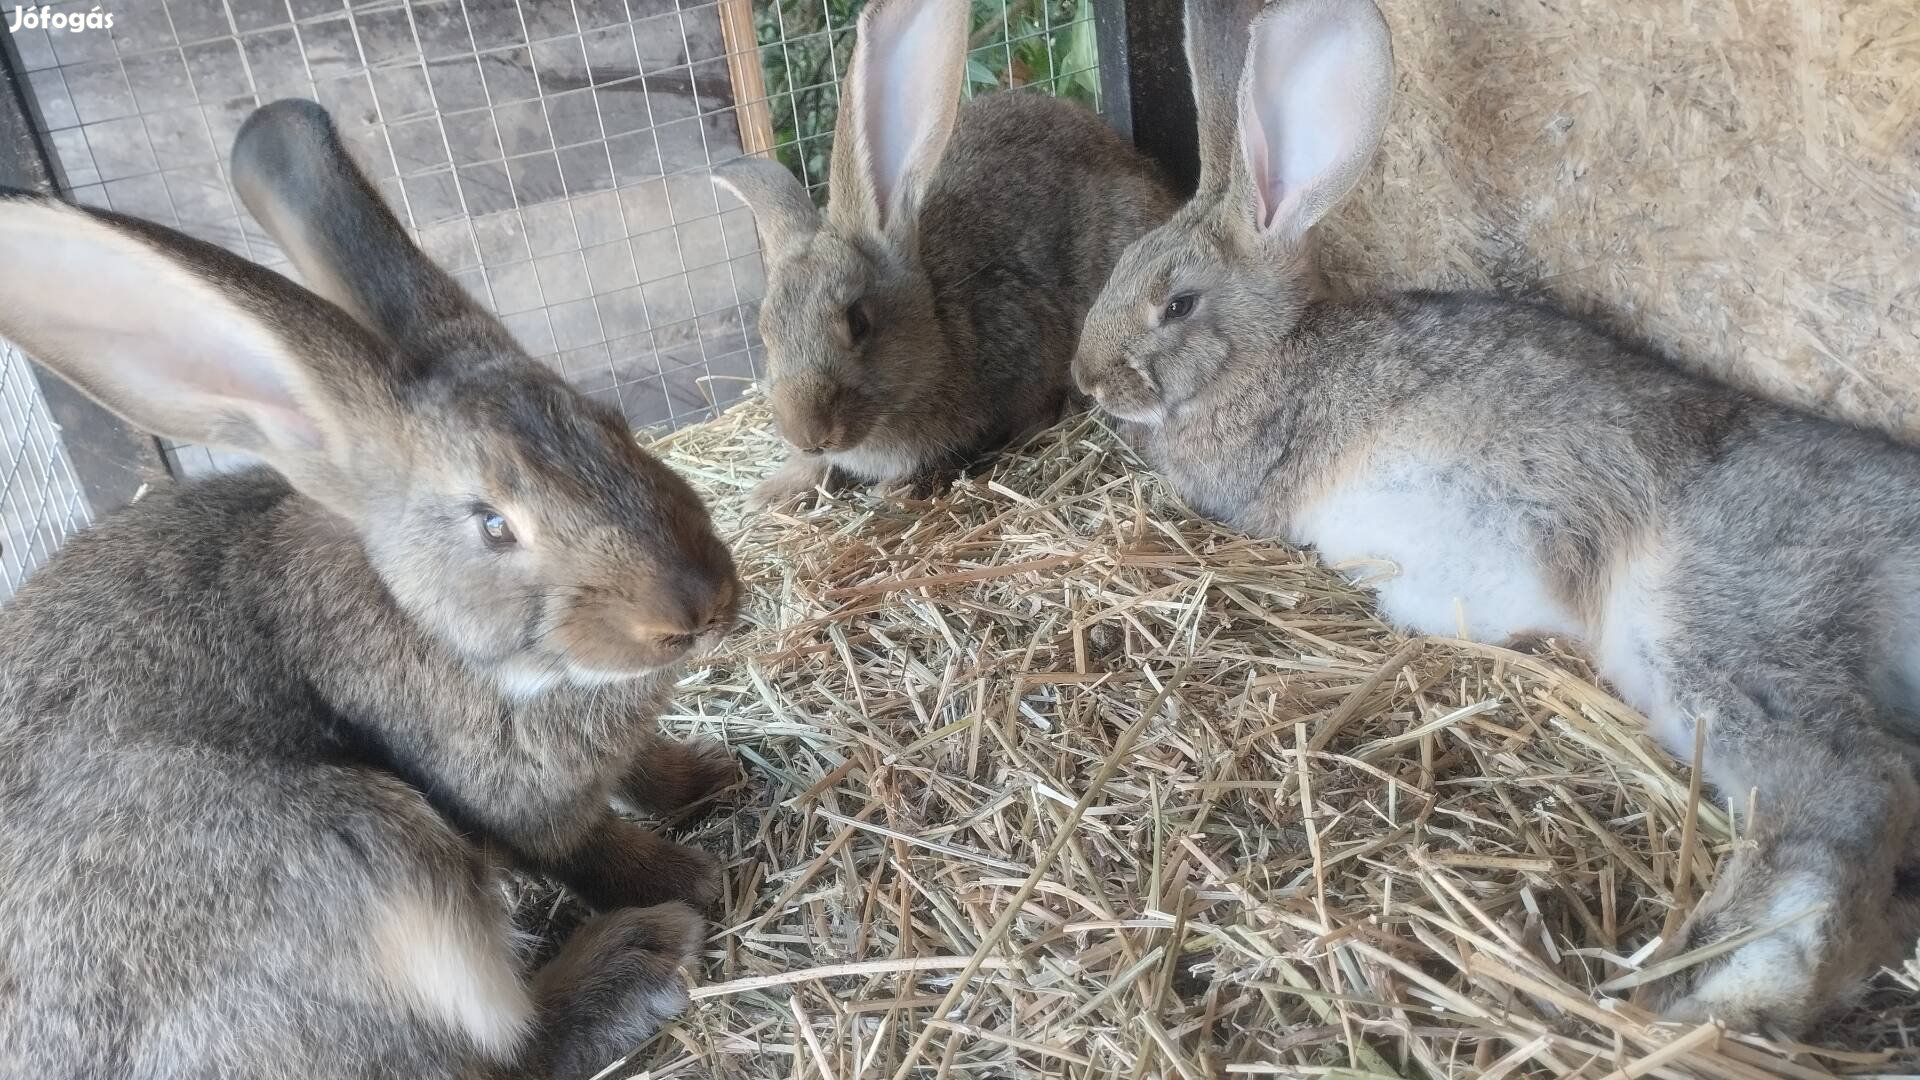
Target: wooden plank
x=1144, y=89
x=754, y=114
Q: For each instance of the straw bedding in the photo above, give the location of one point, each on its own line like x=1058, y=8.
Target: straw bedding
x=1049, y=777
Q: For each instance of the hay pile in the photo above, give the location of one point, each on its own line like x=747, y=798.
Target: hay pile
x=1050, y=778
x=1737, y=179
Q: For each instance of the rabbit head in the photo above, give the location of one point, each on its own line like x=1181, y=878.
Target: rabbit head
x=1284, y=135
x=513, y=518
x=849, y=317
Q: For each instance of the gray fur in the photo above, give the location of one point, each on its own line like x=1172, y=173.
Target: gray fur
x=1215, y=36
x=1730, y=561
x=262, y=754
x=974, y=311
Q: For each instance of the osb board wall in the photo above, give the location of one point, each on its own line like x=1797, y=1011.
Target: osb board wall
x=1737, y=181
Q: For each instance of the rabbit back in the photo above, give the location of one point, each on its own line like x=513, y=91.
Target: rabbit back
x=1031, y=208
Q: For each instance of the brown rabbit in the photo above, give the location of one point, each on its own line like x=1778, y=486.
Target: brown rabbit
x=931, y=315
x=1729, y=561
x=264, y=736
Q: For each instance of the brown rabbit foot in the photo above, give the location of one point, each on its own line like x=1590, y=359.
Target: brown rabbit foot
x=625, y=865
x=797, y=477
x=688, y=874
x=672, y=776
x=614, y=985
x=1786, y=979
x=927, y=483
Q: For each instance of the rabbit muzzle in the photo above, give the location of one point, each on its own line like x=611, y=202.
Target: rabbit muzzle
x=816, y=421
x=682, y=612
x=1121, y=391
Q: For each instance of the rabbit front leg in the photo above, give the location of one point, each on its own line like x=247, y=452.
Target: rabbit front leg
x=542, y=795
x=1834, y=810
x=608, y=861
x=933, y=478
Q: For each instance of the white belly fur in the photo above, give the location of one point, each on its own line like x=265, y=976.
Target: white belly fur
x=1627, y=649
x=1895, y=672
x=876, y=463
x=1444, y=557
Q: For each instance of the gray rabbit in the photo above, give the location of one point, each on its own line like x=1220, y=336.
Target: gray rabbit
x=930, y=315
x=265, y=738
x=1728, y=561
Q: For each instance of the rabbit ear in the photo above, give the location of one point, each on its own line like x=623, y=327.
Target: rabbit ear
x=781, y=209
x=1313, y=103
x=1216, y=38
x=909, y=61
x=186, y=340
x=296, y=178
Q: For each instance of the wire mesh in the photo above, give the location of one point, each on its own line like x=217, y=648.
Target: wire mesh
x=40, y=501
x=551, y=154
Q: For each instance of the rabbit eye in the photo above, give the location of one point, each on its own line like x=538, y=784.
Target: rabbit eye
x=1179, y=307
x=495, y=529
x=857, y=324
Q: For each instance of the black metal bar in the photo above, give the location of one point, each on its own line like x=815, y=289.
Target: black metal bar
x=1144, y=88
x=110, y=459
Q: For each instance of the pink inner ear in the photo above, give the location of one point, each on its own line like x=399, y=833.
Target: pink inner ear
x=1260, y=167
x=162, y=345
x=1311, y=106
x=257, y=389
x=910, y=89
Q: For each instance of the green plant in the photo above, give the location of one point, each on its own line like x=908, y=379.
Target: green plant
x=805, y=46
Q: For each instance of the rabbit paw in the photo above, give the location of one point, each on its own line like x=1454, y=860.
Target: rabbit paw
x=798, y=476
x=614, y=985
x=684, y=873
x=1780, y=982
x=627, y=865
x=672, y=776
x=930, y=481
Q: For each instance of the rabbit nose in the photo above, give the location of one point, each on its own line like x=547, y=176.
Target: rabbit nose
x=1082, y=375
x=723, y=609
x=683, y=632
x=808, y=431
